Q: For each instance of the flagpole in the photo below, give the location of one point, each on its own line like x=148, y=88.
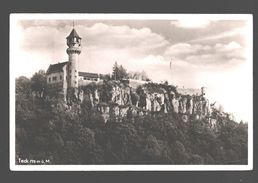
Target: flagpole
x=170, y=67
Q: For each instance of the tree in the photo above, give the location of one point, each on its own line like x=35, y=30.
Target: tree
x=22, y=86
x=115, y=71
x=39, y=82
x=119, y=72
x=105, y=77
x=152, y=150
x=138, y=75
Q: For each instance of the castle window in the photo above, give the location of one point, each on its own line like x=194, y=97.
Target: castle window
x=49, y=79
x=60, y=77
x=54, y=78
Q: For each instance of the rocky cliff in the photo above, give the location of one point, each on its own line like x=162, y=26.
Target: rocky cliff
x=117, y=100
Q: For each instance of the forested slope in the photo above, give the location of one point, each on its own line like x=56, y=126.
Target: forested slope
x=46, y=130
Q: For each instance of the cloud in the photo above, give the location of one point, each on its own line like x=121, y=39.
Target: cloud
x=233, y=45
x=158, y=69
x=102, y=45
x=216, y=55
x=182, y=49
x=156, y=66
x=121, y=37
x=150, y=60
x=227, y=47
x=222, y=35
x=40, y=36
x=191, y=23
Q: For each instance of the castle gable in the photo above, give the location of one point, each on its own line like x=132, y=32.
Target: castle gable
x=56, y=67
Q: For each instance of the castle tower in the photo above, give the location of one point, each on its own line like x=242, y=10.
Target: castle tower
x=73, y=42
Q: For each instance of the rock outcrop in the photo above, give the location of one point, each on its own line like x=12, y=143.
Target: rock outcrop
x=116, y=101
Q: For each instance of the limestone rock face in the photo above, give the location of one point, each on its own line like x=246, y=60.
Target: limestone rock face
x=94, y=97
x=190, y=106
x=206, y=107
x=116, y=101
x=182, y=105
x=175, y=105
x=121, y=95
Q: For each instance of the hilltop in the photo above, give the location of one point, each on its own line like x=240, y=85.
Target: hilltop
x=100, y=127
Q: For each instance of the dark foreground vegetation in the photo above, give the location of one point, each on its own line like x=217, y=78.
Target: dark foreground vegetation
x=45, y=130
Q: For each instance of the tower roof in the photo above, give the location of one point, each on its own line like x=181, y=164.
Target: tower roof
x=73, y=34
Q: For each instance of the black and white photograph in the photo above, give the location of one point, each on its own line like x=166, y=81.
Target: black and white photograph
x=131, y=92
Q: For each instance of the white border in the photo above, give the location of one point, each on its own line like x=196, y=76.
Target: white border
x=16, y=17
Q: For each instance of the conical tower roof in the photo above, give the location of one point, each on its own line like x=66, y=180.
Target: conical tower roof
x=73, y=34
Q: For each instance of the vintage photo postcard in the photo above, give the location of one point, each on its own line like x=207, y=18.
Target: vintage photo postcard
x=137, y=92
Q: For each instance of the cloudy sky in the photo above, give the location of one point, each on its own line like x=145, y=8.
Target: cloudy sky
x=215, y=53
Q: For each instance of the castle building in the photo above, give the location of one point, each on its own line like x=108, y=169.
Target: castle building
x=64, y=75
